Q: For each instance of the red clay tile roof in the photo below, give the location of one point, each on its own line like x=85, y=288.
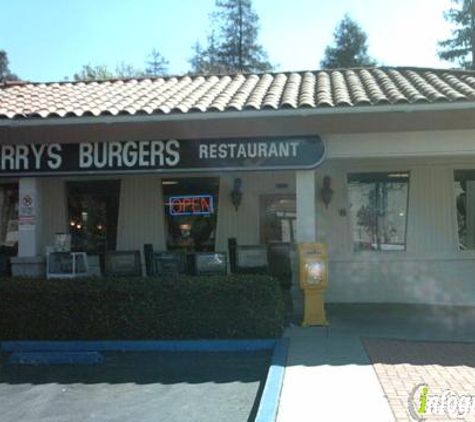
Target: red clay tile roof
x=324, y=88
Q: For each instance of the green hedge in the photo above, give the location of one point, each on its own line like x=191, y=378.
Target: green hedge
x=237, y=306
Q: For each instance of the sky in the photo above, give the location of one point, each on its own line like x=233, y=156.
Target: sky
x=50, y=40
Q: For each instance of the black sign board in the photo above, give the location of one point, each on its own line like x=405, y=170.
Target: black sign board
x=162, y=156
x=123, y=263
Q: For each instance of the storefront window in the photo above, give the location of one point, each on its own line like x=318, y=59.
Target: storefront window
x=93, y=209
x=465, y=205
x=278, y=218
x=191, y=209
x=378, y=210
x=8, y=216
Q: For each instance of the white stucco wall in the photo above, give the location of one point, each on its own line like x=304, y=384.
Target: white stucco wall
x=401, y=144
x=141, y=218
x=432, y=269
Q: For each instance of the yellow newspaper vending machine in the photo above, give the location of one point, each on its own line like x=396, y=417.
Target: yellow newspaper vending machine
x=313, y=265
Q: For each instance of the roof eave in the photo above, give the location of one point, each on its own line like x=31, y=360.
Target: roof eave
x=244, y=114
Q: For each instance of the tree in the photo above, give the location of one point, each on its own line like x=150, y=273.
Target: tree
x=461, y=47
x=5, y=73
x=103, y=73
x=157, y=65
x=350, y=48
x=127, y=71
x=233, y=44
x=94, y=73
x=205, y=61
x=201, y=60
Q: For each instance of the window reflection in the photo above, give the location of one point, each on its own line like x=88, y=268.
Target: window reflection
x=465, y=205
x=8, y=215
x=378, y=210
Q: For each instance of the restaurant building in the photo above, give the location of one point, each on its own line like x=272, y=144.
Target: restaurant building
x=377, y=163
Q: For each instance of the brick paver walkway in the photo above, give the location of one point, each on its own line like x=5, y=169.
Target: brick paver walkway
x=402, y=365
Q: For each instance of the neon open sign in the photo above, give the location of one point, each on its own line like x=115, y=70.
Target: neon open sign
x=191, y=205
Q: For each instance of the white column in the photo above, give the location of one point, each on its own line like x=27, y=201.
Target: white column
x=306, y=206
x=29, y=213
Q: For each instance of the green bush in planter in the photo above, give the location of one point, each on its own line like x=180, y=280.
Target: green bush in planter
x=235, y=306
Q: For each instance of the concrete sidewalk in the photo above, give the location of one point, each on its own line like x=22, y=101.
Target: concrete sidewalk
x=331, y=378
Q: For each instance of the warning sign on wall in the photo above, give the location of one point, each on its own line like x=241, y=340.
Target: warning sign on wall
x=26, y=214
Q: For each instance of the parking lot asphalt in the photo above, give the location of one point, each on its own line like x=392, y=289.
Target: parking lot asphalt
x=137, y=386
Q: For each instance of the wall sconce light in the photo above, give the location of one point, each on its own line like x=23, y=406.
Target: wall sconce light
x=236, y=193
x=326, y=192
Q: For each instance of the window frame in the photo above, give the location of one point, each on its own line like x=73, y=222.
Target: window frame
x=456, y=235
x=89, y=187
x=13, y=186
x=351, y=223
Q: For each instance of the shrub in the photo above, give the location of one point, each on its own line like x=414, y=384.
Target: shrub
x=179, y=307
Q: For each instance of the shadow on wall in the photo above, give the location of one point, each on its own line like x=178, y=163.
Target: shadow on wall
x=438, y=282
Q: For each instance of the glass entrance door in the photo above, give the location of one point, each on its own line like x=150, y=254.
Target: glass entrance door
x=93, y=208
x=8, y=225
x=8, y=216
x=278, y=218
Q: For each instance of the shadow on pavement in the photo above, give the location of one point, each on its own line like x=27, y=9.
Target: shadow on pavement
x=148, y=368
x=145, y=386
x=350, y=323
x=420, y=353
